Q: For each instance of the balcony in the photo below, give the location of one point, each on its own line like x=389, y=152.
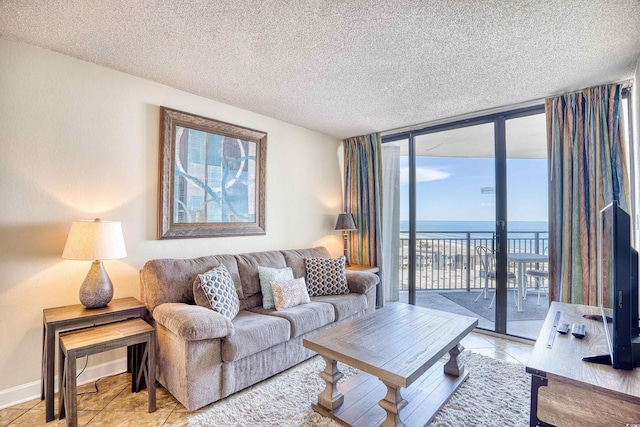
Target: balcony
x=447, y=260
x=449, y=277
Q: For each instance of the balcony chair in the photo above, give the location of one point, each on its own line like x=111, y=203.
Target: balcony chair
x=540, y=276
x=488, y=272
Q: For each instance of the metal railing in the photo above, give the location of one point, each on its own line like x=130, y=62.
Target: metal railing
x=445, y=261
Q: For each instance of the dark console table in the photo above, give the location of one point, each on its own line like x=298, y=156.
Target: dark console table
x=565, y=391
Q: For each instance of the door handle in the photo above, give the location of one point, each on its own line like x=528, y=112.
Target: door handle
x=500, y=224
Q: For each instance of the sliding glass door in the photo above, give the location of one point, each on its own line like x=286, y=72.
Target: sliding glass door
x=448, y=242
x=455, y=214
x=528, y=211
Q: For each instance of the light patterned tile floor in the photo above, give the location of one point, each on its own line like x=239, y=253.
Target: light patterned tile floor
x=115, y=405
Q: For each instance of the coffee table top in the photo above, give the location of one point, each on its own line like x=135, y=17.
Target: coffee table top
x=397, y=343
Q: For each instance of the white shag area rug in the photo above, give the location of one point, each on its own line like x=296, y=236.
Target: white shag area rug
x=496, y=393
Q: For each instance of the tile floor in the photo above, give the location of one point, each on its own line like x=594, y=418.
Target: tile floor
x=114, y=404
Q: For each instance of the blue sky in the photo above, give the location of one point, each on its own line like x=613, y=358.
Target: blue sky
x=449, y=189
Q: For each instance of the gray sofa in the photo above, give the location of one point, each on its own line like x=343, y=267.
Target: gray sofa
x=203, y=356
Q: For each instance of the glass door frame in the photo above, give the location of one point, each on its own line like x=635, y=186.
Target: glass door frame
x=500, y=156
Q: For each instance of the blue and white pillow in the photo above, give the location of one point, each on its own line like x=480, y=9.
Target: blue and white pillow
x=219, y=291
x=268, y=275
x=326, y=276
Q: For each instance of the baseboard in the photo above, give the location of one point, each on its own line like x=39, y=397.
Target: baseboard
x=26, y=392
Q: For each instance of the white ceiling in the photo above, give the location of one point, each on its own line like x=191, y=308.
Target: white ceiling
x=526, y=138
x=345, y=68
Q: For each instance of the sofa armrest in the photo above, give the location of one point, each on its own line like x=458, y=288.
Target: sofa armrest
x=192, y=322
x=361, y=282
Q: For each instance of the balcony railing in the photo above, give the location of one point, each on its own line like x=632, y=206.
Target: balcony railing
x=448, y=260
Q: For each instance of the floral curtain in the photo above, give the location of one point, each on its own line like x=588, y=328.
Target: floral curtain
x=588, y=170
x=363, y=198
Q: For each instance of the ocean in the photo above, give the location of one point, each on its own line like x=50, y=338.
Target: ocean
x=478, y=229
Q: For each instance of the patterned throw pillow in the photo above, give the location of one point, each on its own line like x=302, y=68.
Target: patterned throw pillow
x=268, y=275
x=290, y=293
x=219, y=290
x=325, y=276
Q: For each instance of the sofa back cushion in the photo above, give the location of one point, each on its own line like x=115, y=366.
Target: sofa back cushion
x=171, y=280
x=248, y=270
x=295, y=259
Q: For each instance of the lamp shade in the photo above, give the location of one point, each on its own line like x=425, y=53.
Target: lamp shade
x=345, y=222
x=95, y=240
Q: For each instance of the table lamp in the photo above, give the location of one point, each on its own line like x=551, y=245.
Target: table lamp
x=345, y=223
x=95, y=240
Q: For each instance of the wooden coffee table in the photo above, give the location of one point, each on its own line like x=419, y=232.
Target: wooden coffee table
x=399, y=346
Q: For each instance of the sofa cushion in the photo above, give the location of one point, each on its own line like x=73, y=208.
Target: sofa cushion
x=268, y=275
x=248, y=270
x=214, y=289
x=303, y=318
x=290, y=293
x=345, y=306
x=326, y=276
x=253, y=333
x=295, y=258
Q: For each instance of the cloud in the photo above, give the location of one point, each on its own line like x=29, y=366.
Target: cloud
x=424, y=174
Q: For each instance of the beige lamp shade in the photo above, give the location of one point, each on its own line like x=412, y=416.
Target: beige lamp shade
x=95, y=240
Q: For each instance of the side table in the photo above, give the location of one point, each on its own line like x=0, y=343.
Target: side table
x=77, y=316
x=363, y=268
x=76, y=344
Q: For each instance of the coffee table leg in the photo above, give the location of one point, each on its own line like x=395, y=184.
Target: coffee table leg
x=392, y=403
x=330, y=397
x=453, y=366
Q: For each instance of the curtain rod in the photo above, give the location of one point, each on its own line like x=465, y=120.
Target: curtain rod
x=539, y=101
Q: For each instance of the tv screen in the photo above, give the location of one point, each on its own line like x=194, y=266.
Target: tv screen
x=618, y=286
x=606, y=282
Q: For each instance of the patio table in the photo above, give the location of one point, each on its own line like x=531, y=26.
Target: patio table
x=522, y=258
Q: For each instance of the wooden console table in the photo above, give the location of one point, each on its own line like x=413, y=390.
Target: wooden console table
x=77, y=316
x=565, y=391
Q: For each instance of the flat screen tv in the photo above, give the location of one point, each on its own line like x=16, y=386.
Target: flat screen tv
x=618, y=289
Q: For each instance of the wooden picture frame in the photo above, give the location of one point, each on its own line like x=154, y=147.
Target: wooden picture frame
x=212, y=178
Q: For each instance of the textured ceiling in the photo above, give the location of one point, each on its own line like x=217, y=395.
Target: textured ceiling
x=345, y=68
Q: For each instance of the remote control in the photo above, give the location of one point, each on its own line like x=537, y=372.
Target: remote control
x=578, y=330
x=563, y=328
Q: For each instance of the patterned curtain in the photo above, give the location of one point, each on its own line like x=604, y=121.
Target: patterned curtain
x=588, y=170
x=363, y=198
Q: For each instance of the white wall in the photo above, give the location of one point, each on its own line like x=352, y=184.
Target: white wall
x=79, y=141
